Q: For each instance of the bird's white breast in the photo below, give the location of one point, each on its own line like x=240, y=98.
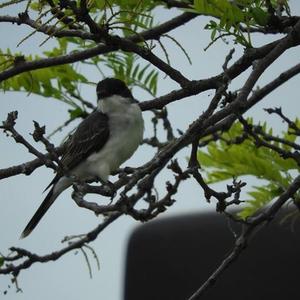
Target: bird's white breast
x=126, y=133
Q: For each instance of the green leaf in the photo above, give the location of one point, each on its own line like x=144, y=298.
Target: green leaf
x=260, y=16
x=100, y=4
x=141, y=73
x=260, y=196
x=77, y=113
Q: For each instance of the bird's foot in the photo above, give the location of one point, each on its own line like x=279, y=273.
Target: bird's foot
x=111, y=190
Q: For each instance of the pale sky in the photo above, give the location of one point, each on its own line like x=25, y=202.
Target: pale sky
x=21, y=195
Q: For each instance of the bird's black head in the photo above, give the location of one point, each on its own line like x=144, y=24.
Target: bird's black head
x=112, y=86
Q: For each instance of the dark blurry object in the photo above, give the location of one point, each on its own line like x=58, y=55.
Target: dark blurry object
x=169, y=259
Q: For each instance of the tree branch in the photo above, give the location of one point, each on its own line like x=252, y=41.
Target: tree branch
x=49, y=30
x=241, y=241
x=31, y=258
x=8, y=126
x=152, y=33
x=26, y=168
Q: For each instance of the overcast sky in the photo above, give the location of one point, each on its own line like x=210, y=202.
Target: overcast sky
x=21, y=195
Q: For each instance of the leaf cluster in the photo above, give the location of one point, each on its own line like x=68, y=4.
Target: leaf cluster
x=63, y=82
x=58, y=82
x=230, y=15
x=232, y=156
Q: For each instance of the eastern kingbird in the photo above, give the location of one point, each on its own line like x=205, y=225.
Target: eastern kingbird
x=100, y=144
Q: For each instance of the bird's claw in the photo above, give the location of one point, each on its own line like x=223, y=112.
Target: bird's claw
x=112, y=190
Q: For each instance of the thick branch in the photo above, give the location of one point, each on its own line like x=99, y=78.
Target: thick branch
x=55, y=61
x=242, y=64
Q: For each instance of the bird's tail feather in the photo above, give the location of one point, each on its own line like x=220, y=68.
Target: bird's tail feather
x=48, y=201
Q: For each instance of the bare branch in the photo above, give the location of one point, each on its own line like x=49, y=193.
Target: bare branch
x=152, y=33
x=8, y=126
x=278, y=111
x=241, y=241
x=31, y=258
x=47, y=29
x=255, y=131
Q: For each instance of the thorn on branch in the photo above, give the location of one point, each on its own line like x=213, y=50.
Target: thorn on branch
x=19, y=60
x=8, y=126
x=38, y=136
x=39, y=132
x=14, y=280
x=10, y=121
x=228, y=98
x=169, y=186
x=23, y=17
x=174, y=166
x=227, y=59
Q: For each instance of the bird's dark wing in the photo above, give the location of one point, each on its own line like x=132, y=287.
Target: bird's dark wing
x=89, y=137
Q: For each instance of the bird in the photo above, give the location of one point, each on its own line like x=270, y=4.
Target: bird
x=99, y=145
